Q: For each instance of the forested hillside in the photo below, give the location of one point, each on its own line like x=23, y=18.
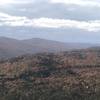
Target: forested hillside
x=73, y=75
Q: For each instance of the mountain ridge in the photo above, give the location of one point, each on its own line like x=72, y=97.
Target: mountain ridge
x=10, y=47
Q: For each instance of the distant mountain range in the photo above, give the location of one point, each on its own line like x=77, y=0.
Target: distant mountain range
x=11, y=47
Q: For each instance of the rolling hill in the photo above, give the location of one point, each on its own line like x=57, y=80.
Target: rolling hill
x=12, y=47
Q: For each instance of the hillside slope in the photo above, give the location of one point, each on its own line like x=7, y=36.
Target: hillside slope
x=12, y=47
x=73, y=75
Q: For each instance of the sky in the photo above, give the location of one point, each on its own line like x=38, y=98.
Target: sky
x=61, y=20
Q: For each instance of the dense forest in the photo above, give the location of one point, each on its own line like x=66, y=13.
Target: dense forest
x=71, y=75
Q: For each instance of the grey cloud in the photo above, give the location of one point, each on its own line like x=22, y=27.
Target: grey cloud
x=42, y=8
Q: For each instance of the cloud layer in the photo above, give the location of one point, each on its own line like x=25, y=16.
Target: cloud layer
x=7, y=2
x=89, y=3
x=14, y=21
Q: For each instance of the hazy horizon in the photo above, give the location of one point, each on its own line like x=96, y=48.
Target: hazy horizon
x=53, y=40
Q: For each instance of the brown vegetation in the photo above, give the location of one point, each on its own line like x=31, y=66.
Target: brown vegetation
x=73, y=75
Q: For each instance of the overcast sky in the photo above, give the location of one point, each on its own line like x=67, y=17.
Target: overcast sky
x=62, y=20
